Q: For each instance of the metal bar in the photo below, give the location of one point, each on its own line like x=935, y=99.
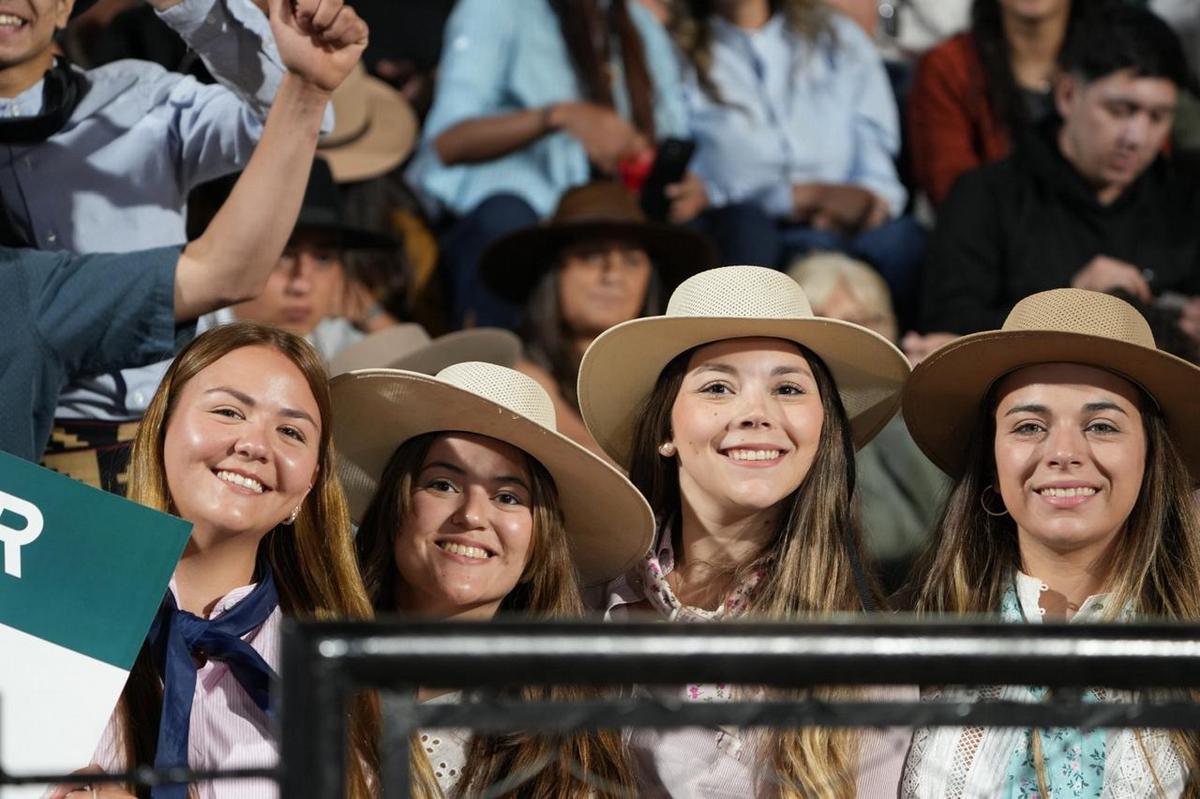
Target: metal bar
x=784, y=655
x=312, y=715
x=145, y=776
x=400, y=722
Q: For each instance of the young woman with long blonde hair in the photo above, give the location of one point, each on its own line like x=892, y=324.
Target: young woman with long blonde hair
x=1075, y=446
x=471, y=504
x=737, y=414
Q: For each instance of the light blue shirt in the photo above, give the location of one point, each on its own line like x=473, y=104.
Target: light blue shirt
x=794, y=112
x=507, y=55
x=117, y=176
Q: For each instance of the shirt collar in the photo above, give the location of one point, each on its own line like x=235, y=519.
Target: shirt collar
x=1030, y=589
x=224, y=604
x=26, y=104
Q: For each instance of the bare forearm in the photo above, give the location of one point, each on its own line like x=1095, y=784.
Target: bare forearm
x=488, y=138
x=230, y=262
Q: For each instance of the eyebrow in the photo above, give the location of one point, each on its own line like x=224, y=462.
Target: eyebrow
x=246, y=399
x=1090, y=407
x=450, y=467
x=717, y=366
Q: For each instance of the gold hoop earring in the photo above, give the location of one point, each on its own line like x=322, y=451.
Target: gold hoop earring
x=666, y=449
x=983, y=503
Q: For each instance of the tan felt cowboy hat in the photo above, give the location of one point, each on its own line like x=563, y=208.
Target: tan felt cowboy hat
x=620, y=368
x=374, y=129
x=609, y=524
x=408, y=346
x=512, y=265
x=944, y=396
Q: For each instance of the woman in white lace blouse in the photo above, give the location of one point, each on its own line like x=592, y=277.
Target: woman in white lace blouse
x=1075, y=446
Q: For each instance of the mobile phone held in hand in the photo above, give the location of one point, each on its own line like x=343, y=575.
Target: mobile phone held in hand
x=670, y=165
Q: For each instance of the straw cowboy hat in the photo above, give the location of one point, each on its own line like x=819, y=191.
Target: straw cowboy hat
x=620, y=368
x=409, y=347
x=374, y=129
x=512, y=265
x=609, y=524
x=944, y=396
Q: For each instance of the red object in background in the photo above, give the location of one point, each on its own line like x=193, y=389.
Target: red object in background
x=635, y=169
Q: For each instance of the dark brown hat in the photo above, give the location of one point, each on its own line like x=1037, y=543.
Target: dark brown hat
x=512, y=265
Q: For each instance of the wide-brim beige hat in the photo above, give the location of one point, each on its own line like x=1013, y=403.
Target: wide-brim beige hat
x=374, y=129
x=609, y=525
x=943, y=399
x=620, y=368
x=409, y=347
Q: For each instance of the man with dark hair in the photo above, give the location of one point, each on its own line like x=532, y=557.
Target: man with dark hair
x=1088, y=200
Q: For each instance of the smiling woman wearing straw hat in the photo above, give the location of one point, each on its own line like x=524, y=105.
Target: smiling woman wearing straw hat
x=469, y=503
x=1074, y=444
x=737, y=414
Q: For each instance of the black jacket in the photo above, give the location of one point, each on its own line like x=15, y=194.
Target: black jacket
x=1029, y=222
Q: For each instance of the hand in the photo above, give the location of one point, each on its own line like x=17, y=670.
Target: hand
x=1189, y=319
x=846, y=207
x=605, y=135
x=1105, y=274
x=318, y=40
x=918, y=347
x=689, y=197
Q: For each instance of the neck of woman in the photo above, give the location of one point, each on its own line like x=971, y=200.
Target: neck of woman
x=712, y=548
x=212, y=567
x=1070, y=577
x=746, y=14
x=1033, y=45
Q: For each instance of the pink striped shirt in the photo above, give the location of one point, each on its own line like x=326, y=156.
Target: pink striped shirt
x=227, y=729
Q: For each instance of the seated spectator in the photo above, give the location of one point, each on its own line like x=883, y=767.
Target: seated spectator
x=1090, y=202
x=308, y=292
x=1184, y=17
x=793, y=113
x=532, y=98
x=899, y=491
x=973, y=91
x=71, y=315
x=597, y=263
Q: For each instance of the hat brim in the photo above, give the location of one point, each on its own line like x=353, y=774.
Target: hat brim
x=943, y=398
x=609, y=525
x=383, y=146
x=377, y=351
x=513, y=264
x=620, y=369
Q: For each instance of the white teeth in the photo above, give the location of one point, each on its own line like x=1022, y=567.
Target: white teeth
x=466, y=552
x=9, y=19
x=753, y=454
x=1067, y=492
x=239, y=480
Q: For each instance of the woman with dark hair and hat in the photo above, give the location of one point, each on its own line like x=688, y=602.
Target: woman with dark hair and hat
x=1074, y=445
x=737, y=414
x=596, y=263
x=470, y=503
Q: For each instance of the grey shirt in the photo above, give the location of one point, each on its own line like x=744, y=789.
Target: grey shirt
x=67, y=315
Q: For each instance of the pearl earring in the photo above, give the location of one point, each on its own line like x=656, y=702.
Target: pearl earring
x=666, y=449
x=292, y=518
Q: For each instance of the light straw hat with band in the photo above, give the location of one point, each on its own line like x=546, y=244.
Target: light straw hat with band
x=620, y=368
x=408, y=346
x=609, y=524
x=944, y=396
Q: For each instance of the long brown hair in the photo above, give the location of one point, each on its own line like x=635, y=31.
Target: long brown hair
x=690, y=25
x=312, y=561
x=812, y=566
x=1155, y=568
x=548, y=589
x=587, y=35
x=546, y=337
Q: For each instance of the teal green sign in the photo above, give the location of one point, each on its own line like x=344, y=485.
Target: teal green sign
x=80, y=567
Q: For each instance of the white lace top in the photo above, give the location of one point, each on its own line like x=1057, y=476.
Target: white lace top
x=975, y=762
x=446, y=748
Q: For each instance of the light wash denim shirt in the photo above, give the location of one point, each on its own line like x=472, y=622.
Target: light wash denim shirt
x=507, y=55
x=794, y=112
x=117, y=176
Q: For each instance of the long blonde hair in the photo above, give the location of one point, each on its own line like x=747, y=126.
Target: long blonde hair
x=548, y=589
x=812, y=567
x=312, y=561
x=1155, y=568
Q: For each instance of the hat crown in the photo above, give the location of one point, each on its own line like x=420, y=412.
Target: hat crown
x=602, y=201
x=518, y=392
x=351, y=112
x=751, y=292
x=1083, y=312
